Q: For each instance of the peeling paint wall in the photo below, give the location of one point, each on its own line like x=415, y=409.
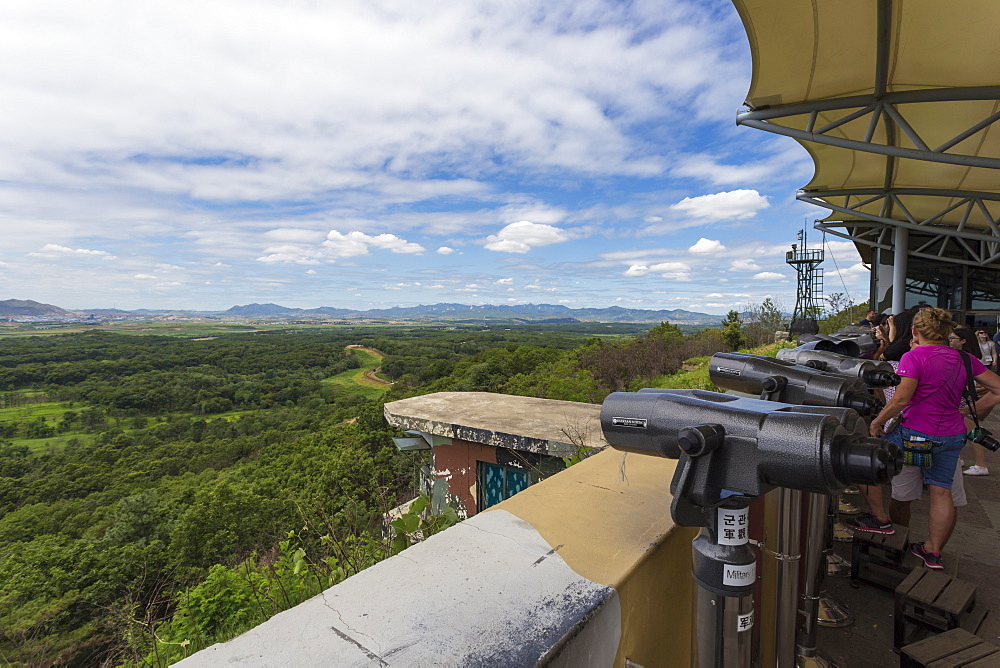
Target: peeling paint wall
x=456, y=463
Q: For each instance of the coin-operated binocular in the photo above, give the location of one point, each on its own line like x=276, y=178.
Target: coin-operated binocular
x=732, y=445
x=872, y=373
x=853, y=342
x=790, y=383
x=730, y=451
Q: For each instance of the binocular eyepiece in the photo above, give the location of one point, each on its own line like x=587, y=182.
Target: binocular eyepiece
x=735, y=445
x=880, y=378
x=871, y=373
x=790, y=383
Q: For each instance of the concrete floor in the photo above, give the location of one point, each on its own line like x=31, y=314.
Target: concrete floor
x=973, y=552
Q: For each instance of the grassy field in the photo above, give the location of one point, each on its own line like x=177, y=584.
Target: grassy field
x=362, y=381
x=211, y=328
x=695, y=372
x=51, y=412
x=39, y=445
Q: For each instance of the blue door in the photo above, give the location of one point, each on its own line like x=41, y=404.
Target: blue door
x=499, y=482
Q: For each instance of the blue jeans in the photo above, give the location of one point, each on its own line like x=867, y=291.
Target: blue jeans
x=945, y=455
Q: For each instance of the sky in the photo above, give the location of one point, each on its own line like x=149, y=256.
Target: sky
x=372, y=153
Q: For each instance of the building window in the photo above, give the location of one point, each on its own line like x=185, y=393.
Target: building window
x=936, y=283
x=984, y=286
x=497, y=482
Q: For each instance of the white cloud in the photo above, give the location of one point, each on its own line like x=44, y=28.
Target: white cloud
x=145, y=276
x=504, y=281
x=290, y=254
x=51, y=250
x=767, y=276
x=704, y=245
x=391, y=242
x=670, y=267
x=294, y=235
x=522, y=236
x=671, y=270
x=706, y=168
x=744, y=264
x=445, y=250
x=856, y=271
x=339, y=246
x=734, y=204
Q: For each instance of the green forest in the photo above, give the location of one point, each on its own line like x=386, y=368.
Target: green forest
x=159, y=494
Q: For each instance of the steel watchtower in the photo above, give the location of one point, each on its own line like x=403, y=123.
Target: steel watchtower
x=809, y=294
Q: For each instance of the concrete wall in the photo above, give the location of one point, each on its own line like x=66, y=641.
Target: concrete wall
x=584, y=568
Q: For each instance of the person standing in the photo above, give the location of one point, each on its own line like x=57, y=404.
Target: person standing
x=869, y=320
x=996, y=345
x=987, y=349
x=988, y=356
x=933, y=378
x=962, y=338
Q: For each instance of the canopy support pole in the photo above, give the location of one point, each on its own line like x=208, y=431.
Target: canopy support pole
x=901, y=241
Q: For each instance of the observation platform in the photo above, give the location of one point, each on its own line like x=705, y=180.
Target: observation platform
x=584, y=568
x=972, y=553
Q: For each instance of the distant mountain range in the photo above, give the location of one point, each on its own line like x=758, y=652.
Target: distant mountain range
x=533, y=313
x=15, y=308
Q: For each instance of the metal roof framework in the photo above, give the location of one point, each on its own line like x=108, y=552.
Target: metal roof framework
x=898, y=105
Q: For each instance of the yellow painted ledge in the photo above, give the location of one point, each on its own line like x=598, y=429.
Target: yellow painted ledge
x=618, y=532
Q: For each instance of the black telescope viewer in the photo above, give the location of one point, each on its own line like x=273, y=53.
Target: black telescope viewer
x=730, y=451
x=732, y=445
x=778, y=380
x=872, y=373
x=852, y=345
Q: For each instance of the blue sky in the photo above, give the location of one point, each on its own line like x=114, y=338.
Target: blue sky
x=371, y=153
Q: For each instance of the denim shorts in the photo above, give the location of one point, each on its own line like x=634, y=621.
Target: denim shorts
x=945, y=457
x=908, y=485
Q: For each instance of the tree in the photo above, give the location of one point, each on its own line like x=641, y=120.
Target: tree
x=732, y=331
x=841, y=311
x=762, y=321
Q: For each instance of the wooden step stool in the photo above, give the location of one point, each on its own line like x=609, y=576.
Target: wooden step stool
x=957, y=647
x=878, y=558
x=931, y=600
x=983, y=622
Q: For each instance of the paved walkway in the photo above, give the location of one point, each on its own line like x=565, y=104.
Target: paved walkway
x=974, y=549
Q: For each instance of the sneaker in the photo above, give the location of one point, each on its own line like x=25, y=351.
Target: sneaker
x=847, y=508
x=931, y=559
x=976, y=470
x=868, y=522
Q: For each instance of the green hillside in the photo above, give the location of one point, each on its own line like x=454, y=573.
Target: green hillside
x=159, y=494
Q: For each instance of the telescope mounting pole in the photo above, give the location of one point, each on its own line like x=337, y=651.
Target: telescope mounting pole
x=725, y=570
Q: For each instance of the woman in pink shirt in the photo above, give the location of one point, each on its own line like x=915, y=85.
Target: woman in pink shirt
x=933, y=377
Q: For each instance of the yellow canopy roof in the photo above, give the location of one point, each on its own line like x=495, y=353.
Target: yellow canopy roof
x=896, y=102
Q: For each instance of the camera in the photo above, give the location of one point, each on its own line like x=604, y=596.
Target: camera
x=984, y=437
x=872, y=373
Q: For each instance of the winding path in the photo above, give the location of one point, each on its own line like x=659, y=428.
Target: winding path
x=370, y=374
